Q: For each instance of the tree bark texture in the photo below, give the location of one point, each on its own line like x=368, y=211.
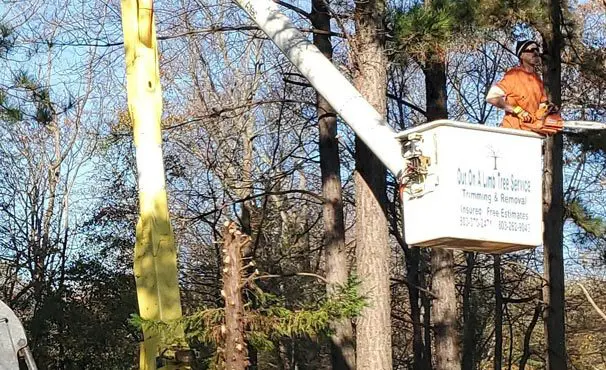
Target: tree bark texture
x=413, y=260
x=553, y=199
x=42, y=240
x=469, y=322
x=553, y=256
x=444, y=310
x=425, y=269
x=498, y=314
x=343, y=353
x=435, y=88
x=528, y=335
x=373, y=331
x=234, y=349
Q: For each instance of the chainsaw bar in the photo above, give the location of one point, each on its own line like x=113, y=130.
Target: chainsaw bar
x=584, y=125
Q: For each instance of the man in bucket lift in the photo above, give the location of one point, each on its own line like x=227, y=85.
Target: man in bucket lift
x=522, y=95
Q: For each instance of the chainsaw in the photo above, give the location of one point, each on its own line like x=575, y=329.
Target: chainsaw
x=584, y=125
x=549, y=121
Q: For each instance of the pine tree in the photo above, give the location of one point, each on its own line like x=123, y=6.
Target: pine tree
x=424, y=33
x=373, y=329
x=231, y=329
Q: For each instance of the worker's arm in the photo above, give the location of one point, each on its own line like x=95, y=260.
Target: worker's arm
x=500, y=102
x=496, y=97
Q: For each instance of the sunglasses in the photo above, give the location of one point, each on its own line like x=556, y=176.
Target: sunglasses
x=532, y=50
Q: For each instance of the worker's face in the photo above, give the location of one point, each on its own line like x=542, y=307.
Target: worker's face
x=531, y=55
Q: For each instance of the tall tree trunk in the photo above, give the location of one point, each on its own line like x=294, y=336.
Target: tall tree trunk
x=498, y=314
x=553, y=199
x=444, y=313
x=245, y=186
x=155, y=258
x=469, y=327
x=373, y=331
x=234, y=347
x=528, y=336
x=43, y=240
x=444, y=310
x=426, y=304
x=342, y=347
x=413, y=259
x=435, y=87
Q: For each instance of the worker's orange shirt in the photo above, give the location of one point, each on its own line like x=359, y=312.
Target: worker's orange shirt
x=524, y=89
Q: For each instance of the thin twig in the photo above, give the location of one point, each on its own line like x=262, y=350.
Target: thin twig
x=404, y=281
x=407, y=103
x=293, y=8
x=291, y=275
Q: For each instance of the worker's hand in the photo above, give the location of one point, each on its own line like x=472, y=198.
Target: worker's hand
x=542, y=112
x=552, y=108
x=522, y=114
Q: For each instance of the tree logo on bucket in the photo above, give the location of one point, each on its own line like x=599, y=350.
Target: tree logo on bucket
x=494, y=154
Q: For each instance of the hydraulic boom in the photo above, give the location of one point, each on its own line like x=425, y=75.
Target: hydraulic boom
x=363, y=119
x=13, y=342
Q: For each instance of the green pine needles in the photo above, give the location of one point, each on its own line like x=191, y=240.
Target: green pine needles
x=581, y=216
x=265, y=324
x=432, y=25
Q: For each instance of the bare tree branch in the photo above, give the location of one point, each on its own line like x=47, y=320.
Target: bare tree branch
x=291, y=275
x=293, y=8
x=593, y=304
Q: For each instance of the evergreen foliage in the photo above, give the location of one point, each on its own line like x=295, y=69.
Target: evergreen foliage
x=7, y=40
x=8, y=112
x=266, y=324
x=436, y=25
x=505, y=14
x=432, y=26
x=87, y=290
x=42, y=110
x=582, y=217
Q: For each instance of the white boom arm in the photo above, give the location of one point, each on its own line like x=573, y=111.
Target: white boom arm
x=13, y=343
x=364, y=120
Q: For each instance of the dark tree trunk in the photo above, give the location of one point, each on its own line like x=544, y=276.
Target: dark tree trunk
x=528, y=335
x=553, y=199
x=373, y=330
x=426, y=303
x=435, y=88
x=469, y=329
x=444, y=313
x=342, y=347
x=444, y=310
x=498, y=314
x=413, y=260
